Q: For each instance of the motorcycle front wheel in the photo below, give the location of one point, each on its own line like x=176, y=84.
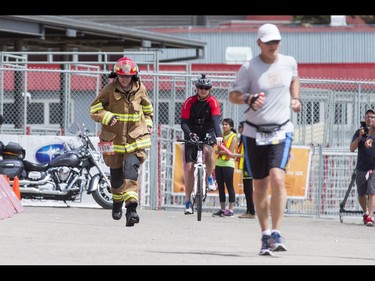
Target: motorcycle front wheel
x=103, y=195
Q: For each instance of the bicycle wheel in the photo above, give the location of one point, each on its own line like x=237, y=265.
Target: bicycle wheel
x=199, y=195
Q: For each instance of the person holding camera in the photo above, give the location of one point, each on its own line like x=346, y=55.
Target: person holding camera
x=364, y=162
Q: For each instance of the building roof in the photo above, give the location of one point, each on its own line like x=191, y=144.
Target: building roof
x=58, y=33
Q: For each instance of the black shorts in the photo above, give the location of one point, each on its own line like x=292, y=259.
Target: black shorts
x=371, y=185
x=191, y=152
x=264, y=157
x=361, y=182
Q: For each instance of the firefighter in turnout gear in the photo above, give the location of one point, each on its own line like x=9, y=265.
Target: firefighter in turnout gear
x=125, y=112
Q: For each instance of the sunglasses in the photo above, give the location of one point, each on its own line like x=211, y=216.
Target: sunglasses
x=203, y=88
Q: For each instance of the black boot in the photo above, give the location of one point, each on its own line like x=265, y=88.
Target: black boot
x=131, y=214
x=117, y=210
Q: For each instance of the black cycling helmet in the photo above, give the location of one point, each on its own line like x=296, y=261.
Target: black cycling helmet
x=203, y=82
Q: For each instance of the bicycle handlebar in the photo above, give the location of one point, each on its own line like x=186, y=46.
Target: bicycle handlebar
x=197, y=143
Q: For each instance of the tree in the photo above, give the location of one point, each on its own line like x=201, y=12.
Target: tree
x=369, y=19
x=311, y=19
x=326, y=19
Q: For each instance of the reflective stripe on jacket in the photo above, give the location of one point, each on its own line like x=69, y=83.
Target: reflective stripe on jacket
x=133, y=111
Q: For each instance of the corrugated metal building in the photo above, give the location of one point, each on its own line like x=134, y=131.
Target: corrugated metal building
x=222, y=41
x=349, y=43
x=307, y=45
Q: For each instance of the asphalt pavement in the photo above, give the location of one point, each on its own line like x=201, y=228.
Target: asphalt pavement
x=60, y=235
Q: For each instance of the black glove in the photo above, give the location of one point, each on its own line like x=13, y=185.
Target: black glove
x=113, y=119
x=112, y=74
x=253, y=99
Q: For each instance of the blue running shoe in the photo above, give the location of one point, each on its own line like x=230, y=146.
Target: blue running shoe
x=276, y=242
x=265, y=250
x=211, y=183
x=188, y=208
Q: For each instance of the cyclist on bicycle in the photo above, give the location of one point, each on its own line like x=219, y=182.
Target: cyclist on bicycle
x=200, y=114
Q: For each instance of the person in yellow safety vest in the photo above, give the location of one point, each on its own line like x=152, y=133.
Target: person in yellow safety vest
x=224, y=169
x=125, y=112
x=247, y=180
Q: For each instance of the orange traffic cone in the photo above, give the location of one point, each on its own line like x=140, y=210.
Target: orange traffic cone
x=16, y=188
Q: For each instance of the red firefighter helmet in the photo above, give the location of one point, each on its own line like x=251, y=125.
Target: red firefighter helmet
x=125, y=66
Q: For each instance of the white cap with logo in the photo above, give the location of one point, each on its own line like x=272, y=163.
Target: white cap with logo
x=268, y=32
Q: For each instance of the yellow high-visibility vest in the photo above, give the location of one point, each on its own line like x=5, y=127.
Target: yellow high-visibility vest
x=240, y=160
x=227, y=144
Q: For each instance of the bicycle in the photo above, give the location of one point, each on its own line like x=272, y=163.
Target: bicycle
x=199, y=193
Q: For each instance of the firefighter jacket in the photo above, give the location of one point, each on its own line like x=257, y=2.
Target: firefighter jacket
x=133, y=111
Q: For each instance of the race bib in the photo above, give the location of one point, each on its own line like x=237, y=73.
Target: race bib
x=106, y=148
x=270, y=138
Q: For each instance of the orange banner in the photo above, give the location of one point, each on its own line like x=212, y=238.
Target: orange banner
x=298, y=172
x=296, y=180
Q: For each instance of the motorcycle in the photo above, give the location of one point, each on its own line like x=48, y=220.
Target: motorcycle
x=72, y=171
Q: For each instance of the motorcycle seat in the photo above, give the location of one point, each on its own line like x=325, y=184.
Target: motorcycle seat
x=35, y=166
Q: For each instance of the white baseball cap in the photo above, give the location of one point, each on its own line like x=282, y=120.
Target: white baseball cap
x=268, y=32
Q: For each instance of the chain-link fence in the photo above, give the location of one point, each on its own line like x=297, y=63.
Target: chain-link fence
x=46, y=98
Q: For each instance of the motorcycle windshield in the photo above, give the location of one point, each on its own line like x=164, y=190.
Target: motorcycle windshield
x=76, y=129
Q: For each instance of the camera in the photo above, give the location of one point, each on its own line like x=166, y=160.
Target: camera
x=364, y=126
